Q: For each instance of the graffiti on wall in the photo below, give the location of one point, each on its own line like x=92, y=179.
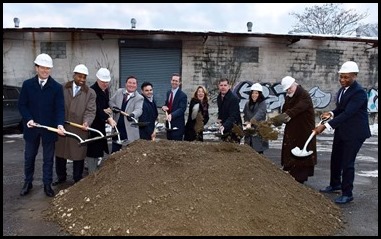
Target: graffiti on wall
x=372, y=100
x=275, y=96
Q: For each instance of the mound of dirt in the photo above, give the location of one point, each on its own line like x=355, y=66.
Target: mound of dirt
x=177, y=188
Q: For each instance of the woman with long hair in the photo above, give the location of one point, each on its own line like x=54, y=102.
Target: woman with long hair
x=198, y=115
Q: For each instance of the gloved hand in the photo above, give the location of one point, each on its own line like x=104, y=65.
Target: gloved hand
x=280, y=119
x=30, y=124
x=130, y=116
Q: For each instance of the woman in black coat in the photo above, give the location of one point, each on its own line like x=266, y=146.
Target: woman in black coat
x=198, y=115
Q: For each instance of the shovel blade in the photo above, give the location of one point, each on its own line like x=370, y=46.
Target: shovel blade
x=172, y=129
x=300, y=153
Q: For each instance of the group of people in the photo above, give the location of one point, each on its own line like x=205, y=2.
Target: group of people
x=50, y=110
x=349, y=119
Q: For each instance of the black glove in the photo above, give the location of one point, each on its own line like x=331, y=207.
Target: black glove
x=130, y=116
x=116, y=110
x=280, y=119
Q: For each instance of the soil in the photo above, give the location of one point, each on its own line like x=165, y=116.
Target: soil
x=174, y=188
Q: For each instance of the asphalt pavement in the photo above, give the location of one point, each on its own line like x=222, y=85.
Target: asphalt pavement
x=23, y=216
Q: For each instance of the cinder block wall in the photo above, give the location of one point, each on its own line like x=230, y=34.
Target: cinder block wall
x=244, y=60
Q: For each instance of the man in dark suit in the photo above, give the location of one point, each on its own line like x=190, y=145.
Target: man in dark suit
x=229, y=114
x=149, y=114
x=175, y=107
x=97, y=148
x=350, y=121
x=41, y=101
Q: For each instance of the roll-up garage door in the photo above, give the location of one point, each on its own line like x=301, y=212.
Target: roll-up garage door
x=150, y=61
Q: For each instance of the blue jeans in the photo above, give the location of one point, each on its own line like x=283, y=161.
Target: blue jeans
x=31, y=150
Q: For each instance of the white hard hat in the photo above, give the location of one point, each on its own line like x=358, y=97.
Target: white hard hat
x=81, y=68
x=349, y=67
x=287, y=82
x=257, y=87
x=104, y=75
x=44, y=60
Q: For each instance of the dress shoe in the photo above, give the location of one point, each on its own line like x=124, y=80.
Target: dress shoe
x=330, y=189
x=48, y=190
x=343, y=199
x=58, y=182
x=26, y=188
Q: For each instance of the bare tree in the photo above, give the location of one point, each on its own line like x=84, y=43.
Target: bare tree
x=369, y=30
x=329, y=18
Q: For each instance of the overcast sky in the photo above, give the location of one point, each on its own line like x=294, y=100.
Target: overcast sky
x=218, y=17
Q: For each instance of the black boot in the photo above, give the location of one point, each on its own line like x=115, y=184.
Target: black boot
x=26, y=188
x=59, y=181
x=48, y=190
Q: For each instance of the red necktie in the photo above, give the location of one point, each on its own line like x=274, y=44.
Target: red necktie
x=170, y=102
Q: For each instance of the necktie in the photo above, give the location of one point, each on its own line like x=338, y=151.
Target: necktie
x=76, y=90
x=170, y=101
x=41, y=84
x=341, y=94
x=125, y=97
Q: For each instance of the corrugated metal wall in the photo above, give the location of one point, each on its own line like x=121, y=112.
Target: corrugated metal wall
x=150, y=62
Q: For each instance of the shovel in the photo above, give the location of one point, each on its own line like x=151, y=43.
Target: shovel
x=101, y=135
x=303, y=152
x=118, y=141
x=81, y=141
x=135, y=123
x=169, y=124
x=220, y=133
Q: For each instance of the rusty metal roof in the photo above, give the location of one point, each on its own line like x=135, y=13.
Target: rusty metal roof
x=292, y=37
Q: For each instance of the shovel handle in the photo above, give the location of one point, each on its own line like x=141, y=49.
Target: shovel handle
x=169, y=122
x=120, y=111
x=56, y=130
x=47, y=127
x=308, y=140
x=75, y=124
x=82, y=127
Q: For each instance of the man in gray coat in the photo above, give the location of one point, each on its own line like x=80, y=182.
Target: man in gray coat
x=80, y=109
x=129, y=101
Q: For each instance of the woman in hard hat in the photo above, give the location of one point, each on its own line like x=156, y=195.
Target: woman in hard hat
x=255, y=110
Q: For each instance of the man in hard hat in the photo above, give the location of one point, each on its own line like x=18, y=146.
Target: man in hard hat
x=41, y=102
x=80, y=109
x=351, y=125
x=96, y=149
x=299, y=117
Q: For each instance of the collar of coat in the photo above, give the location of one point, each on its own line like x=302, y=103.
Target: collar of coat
x=69, y=85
